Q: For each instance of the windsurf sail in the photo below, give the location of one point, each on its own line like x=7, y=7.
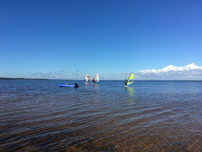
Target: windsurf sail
x=97, y=78
x=130, y=79
x=86, y=78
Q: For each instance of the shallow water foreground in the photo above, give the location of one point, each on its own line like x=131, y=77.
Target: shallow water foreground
x=37, y=115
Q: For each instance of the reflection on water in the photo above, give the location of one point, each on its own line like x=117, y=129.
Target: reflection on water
x=95, y=86
x=87, y=84
x=130, y=91
x=150, y=116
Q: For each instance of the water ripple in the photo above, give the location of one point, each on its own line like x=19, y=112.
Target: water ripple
x=40, y=116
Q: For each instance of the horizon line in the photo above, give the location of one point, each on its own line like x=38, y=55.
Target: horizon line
x=19, y=78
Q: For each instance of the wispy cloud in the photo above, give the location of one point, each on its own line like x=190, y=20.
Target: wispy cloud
x=50, y=75
x=171, y=72
x=61, y=74
x=114, y=76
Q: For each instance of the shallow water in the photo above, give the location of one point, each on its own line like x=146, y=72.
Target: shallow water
x=37, y=115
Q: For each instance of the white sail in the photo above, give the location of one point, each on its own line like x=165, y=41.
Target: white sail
x=86, y=78
x=97, y=77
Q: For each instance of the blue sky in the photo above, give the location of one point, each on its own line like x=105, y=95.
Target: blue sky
x=67, y=39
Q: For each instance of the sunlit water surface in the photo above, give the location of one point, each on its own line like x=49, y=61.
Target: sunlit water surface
x=37, y=115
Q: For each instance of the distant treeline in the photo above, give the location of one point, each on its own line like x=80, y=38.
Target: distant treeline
x=21, y=79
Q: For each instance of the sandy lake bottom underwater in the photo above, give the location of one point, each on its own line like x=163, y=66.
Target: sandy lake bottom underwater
x=37, y=115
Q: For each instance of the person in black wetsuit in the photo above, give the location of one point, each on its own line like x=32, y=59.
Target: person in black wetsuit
x=126, y=81
x=93, y=80
x=76, y=85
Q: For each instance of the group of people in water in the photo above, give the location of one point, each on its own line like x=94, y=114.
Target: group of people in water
x=88, y=79
x=94, y=81
x=76, y=85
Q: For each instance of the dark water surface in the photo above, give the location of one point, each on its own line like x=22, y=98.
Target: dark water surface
x=37, y=115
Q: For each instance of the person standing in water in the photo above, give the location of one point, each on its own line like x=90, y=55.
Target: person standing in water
x=126, y=81
x=93, y=80
x=76, y=85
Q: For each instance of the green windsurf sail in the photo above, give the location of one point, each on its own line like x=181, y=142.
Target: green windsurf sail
x=130, y=79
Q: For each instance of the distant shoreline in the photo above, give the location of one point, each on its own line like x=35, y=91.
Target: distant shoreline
x=22, y=79
x=4, y=78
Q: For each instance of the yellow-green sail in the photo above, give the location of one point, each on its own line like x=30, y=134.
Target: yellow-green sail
x=130, y=79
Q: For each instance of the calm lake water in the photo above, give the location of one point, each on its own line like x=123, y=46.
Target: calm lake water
x=37, y=115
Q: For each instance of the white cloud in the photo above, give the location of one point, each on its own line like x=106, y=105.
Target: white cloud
x=171, y=72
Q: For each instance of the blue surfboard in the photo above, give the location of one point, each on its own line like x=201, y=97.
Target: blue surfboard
x=66, y=85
